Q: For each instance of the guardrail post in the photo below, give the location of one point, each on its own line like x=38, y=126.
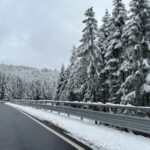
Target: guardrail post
x=95, y=121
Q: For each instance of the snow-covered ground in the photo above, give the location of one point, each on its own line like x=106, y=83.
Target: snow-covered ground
x=96, y=136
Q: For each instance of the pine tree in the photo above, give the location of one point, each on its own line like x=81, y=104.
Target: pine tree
x=70, y=86
x=82, y=71
x=73, y=55
x=19, y=88
x=137, y=38
x=60, y=83
x=64, y=90
x=88, y=54
x=47, y=90
x=2, y=86
x=105, y=28
x=103, y=34
x=78, y=76
x=115, y=50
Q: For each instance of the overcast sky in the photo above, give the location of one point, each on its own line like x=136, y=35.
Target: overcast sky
x=41, y=33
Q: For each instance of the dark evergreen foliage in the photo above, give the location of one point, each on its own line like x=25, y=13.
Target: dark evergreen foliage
x=112, y=63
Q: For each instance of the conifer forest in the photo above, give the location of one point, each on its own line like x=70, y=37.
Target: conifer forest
x=112, y=62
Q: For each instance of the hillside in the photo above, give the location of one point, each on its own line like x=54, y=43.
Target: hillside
x=26, y=82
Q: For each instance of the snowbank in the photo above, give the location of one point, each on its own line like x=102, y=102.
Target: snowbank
x=98, y=137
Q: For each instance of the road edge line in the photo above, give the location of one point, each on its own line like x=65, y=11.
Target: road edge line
x=53, y=131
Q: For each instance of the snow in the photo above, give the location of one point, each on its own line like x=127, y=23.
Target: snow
x=146, y=64
x=113, y=60
x=146, y=88
x=125, y=66
x=119, y=45
x=117, y=33
x=148, y=78
x=27, y=82
x=111, y=104
x=98, y=137
x=148, y=43
x=130, y=79
x=130, y=96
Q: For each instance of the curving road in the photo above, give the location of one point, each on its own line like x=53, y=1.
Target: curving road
x=18, y=132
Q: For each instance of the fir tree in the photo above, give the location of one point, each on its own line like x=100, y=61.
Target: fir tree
x=3, y=86
x=103, y=34
x=71, y=74
x=115, y=50
x=64, y=90
x=60, y=83
x=88, y=53
x=137, y=38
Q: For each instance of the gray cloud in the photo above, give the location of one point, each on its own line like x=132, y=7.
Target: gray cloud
x=41, y=33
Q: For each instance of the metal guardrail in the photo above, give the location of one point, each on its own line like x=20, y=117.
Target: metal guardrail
x=2, y=101
x=129, y=117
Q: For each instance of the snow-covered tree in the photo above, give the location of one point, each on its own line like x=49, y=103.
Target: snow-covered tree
x=72, y=74
x=3, y=86
x=115, y=50
x=73, y=55
x=136, y=66
x=103, y=34
x=87, y=55
x=60, y=83
x=104, y=30
x=19, y=82
x=64, y=89
x=90, y=40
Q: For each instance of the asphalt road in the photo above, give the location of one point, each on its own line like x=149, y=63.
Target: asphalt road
x=18, y=132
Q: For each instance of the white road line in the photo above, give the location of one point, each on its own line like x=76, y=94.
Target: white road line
x=53, y=131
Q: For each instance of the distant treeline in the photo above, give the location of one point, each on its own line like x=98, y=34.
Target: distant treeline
x=18, y=82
